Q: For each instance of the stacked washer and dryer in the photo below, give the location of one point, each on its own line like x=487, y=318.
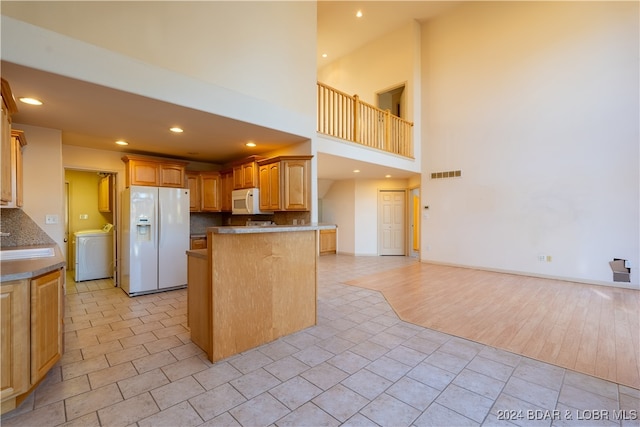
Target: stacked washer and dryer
x=94, y=254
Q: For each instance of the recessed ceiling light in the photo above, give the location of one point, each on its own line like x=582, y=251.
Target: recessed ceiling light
x=250, y=144
x=121, y=142
x=387, y=176
x=359, y=14
x=31, y=101
x=356, y=171
x=176, y=129
x=324, y=55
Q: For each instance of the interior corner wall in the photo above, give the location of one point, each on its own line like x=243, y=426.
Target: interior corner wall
x=43, y=178
x=537, y=104
x=338, y=207
x=377, y=66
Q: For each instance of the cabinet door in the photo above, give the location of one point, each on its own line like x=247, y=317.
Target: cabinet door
x=198, y=243
x=226, y=185
x=264, y=184
x=249, y=173
x=5, y=156
x=143, y=173
x=104, y=194
x=327, y=242
x=46, y=323
x=296, y=185
x=193, y=184
x=171, y=175
x=210, y=184
x=14, y=351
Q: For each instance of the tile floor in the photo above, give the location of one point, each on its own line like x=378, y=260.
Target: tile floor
x=129, y=361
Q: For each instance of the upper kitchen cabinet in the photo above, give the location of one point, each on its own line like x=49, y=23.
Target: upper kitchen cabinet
x=285, y=183
x=205, y=193
x=193, y=184
x=12, y=144
x=154, y=173
x=104, y=194
x=245, y=173
x=226, y=187
x=210, y=191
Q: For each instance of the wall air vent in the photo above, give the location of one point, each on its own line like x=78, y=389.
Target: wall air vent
x=449, y=174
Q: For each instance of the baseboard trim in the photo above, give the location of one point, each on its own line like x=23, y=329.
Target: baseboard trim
x=622, y=285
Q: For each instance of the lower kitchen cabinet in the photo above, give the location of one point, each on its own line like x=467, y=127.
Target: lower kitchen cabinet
x=32, y=327
x=14, y=314
x=327, y=242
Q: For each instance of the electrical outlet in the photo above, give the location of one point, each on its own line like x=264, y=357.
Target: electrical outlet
x=542, y=258
x=84, y=216
x=549, y=258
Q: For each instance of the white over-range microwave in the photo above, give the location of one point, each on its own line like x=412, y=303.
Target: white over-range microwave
x=246, y=202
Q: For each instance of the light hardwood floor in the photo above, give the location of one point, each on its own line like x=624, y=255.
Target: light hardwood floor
x=587, y=328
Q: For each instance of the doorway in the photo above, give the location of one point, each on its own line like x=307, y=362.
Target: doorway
x=90, y=204
x=392, y=100
x=391, y=222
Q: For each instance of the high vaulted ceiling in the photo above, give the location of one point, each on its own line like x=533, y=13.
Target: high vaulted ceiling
x=94, y=116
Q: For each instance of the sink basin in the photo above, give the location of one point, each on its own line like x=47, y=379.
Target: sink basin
x=13, y=254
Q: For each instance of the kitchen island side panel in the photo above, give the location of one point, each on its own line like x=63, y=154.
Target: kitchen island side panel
x=263, y=287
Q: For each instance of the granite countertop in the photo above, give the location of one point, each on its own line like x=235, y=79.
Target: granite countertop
x=231, y=229
x=31, y=267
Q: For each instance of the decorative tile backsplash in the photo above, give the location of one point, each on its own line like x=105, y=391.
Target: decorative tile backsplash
x=21, y=230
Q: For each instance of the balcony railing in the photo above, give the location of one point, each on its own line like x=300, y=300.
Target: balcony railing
x=346, y=117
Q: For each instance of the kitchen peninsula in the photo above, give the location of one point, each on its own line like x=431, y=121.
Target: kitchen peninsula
x=252, y=285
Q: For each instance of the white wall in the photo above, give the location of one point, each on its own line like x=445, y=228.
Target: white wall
x=537, y=104
x=249, y=47
x=353, y=206
x=280, y=97
x=43, y=178
x=382, y=64
x=366, y=200
x=338, y=207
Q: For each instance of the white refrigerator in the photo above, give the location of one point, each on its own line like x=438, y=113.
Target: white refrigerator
x=155, y=229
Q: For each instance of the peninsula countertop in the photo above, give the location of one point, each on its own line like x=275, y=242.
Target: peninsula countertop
x=30, y=267
x=249, y=229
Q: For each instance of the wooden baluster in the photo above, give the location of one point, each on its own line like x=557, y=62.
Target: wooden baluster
x=356, y=118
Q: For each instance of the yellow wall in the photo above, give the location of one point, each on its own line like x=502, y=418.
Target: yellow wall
x=83, y=200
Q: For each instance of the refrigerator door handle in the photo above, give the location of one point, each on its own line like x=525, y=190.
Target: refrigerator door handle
x=159, y=222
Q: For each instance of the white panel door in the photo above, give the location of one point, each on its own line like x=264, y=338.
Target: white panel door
x=391, y=222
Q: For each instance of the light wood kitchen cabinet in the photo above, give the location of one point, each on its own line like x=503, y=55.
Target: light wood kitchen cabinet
x=12, y=144
x=46, y=323
x=210, y=191
x=32, y=328
x=198, y=243
x=327, y=242
x=245, y=173
x=226, y=187
x=285, y=183
x=172, y=175
x=269, y=186
x=205, y=191
x=14, y=312
x=193, y=184
x=104, y=194
x=154, y=173
x=9, y=108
